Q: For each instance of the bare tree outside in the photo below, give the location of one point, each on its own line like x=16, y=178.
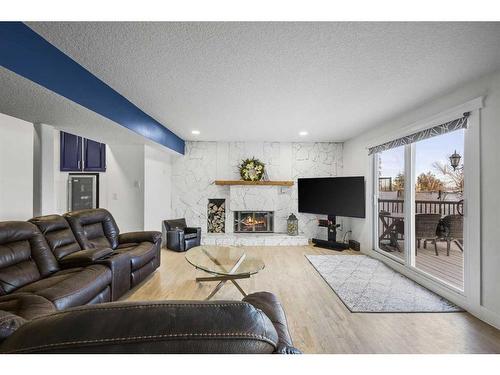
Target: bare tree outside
x=454, y=179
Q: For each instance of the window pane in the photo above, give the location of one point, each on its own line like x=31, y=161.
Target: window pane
x=391, y=182
x=438, y=207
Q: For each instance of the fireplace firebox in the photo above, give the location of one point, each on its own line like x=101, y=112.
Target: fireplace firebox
x=253, y=222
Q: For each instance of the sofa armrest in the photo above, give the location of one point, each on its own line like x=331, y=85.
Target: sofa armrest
x=269, y=304
x=148, y=327
x=175, y=240
x=192, y=230
x=84, y=257
x=9, y=323
x=137, y=237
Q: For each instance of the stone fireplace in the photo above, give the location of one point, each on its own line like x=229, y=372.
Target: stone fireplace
x=253, y=221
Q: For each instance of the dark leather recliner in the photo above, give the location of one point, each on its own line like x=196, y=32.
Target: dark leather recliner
x=28, y=267
x=69, y=253
x=96, y=228
x=179, y=236
x=255, y=325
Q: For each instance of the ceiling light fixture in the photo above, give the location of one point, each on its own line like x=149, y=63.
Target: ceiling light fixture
x=303, y=133
x=195, y=132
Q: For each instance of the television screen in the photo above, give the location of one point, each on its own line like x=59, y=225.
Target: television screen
x=339, y=196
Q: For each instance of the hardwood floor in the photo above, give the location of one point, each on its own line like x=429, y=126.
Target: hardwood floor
x=318, y=320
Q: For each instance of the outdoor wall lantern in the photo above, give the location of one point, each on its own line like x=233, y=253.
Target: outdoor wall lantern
x=455, y=160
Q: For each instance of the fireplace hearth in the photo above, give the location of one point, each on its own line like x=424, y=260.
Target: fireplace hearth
x=253, y=222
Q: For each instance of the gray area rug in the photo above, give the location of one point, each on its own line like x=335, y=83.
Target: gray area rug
x=365, y=284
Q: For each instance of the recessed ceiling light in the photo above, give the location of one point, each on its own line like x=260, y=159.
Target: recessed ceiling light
x=195, y=132
x=303, y=133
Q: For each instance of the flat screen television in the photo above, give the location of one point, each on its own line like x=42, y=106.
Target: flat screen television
x=337, y=196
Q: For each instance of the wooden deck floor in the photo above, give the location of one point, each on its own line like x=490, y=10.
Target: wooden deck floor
x=447, y=268
x=318, y=320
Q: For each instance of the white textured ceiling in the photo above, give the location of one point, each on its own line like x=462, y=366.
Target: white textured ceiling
x=21, y=98
x=268, y=81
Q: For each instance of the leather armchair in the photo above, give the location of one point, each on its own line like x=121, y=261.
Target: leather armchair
x=256, y=325
x=179, y=236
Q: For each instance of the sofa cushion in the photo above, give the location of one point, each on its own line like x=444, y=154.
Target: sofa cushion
x=139, y=254
x=58, y=234
x=71, y=287
x=26, y=305
x=94, y=228
x=137, y=237
x=16, y=309
x=25, y=256
x=127, y=245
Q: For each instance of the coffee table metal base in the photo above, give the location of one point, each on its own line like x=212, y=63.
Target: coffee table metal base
x=225, y=278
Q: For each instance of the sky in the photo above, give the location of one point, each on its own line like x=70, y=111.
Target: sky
x=426, y=153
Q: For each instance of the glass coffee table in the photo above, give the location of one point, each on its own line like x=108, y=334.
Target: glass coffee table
x=223, y=263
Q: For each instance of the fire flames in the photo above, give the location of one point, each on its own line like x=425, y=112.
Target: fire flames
x=251, y=221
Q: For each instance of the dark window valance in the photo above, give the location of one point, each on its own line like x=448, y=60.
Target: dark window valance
x=447, y=127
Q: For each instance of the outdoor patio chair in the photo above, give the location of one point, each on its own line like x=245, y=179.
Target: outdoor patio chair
x=454, y=231
x=426, y=226
x=397, y=231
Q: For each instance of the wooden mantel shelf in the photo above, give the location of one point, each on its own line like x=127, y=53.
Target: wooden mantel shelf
x=262, y=183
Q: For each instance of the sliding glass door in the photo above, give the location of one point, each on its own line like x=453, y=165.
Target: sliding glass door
x=418, y=200
x=438, y=218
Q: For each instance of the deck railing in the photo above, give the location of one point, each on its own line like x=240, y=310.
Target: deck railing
x=421, y=207
x=443, y=208
x=385, y=184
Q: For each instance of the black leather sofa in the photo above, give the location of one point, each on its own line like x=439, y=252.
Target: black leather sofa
x=179, y=236
x=256, y=325
x=68, y=252
x=96, y=229
x=46, y=257
x=28, y=266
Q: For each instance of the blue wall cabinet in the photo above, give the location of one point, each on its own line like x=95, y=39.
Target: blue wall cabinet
x=80, y=154
x=94, y=156
x=71, y=152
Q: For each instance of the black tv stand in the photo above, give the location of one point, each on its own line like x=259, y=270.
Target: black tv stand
x=331, y=243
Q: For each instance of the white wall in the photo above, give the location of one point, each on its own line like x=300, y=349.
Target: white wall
x=124, y=186
x=16, y=169
x=356, y=162
x=44, y=194
x=204, y=162
x=157, y=187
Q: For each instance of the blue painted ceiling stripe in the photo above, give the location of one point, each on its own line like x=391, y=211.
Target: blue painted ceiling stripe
x=26, y=53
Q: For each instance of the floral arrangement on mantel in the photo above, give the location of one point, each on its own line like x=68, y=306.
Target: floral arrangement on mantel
x=252, y=169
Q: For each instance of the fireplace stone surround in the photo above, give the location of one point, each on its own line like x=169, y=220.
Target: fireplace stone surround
x=193, y=177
